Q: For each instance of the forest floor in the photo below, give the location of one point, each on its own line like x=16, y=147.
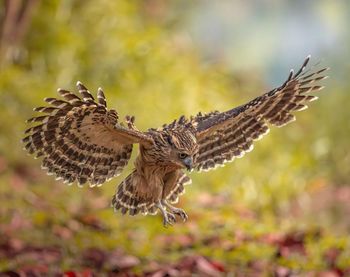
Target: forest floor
x=52, y=236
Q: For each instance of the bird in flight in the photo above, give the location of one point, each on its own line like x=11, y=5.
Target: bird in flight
x=82, y=141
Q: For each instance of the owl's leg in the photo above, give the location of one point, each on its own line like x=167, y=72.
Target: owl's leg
x=177, y=211
x=168, y=218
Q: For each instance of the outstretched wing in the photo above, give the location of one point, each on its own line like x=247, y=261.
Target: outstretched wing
x=224, y=136
x=80, y=140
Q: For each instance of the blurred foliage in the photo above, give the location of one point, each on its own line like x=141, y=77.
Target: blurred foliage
x=243, y=214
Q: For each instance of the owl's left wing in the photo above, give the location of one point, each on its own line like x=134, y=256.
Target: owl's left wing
x=80, y=139
x=227, y=135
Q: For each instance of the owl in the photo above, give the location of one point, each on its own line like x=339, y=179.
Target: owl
x=82, y=141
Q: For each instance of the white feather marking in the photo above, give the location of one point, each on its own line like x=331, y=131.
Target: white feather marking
x=126, y=192
x=313, y=99
x=251, y=147
x=291, y=120
x=304, y=107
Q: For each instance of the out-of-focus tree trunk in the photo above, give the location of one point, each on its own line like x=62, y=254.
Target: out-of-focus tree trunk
x=15, y=18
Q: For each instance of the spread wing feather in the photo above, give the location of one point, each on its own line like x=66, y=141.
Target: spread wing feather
x=127, y=201
x=80, y=139
x=179, y=189
x=225, y=136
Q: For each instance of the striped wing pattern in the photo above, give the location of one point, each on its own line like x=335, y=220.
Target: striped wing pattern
x=79, y=139
x=127, y=201
x=179, y=189
x=222, y=137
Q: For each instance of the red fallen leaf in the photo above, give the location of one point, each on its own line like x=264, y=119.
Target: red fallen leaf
x=87, y=273
x=291, y=243
x=84, y=273
x=206, y=268
x=70, y=274
x=218, y=266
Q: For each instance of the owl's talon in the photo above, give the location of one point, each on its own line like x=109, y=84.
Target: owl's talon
x=172, y=218
x=168, y=219
x=176, y=211
x=181, y=213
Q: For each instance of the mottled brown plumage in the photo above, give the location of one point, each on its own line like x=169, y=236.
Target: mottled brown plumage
x=82, y=141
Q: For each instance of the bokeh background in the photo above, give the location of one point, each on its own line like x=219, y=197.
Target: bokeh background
x=283, y=209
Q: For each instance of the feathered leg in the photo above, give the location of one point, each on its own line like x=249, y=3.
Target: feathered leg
x=174, y=210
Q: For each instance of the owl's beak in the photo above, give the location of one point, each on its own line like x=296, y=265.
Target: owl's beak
x=188, y=162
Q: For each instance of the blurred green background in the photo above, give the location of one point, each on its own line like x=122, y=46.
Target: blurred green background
x=157, y=60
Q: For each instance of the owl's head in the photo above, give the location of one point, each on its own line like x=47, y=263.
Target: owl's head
x=182, y=148
x=175, y=144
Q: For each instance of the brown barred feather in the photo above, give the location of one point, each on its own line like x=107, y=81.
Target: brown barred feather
x=228, y=135
x=79, y=139
x=127, y=200
x=101, y=98
x=173, y=196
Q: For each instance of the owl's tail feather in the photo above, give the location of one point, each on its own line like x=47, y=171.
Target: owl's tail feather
x=127, y=201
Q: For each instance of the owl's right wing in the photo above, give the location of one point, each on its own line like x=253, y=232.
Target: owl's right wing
x=224, y=136
x=80, y=139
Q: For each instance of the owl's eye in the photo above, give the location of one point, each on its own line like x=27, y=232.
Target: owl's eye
x=182, y=155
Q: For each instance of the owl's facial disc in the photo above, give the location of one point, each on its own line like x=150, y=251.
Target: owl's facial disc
x=184, y=149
